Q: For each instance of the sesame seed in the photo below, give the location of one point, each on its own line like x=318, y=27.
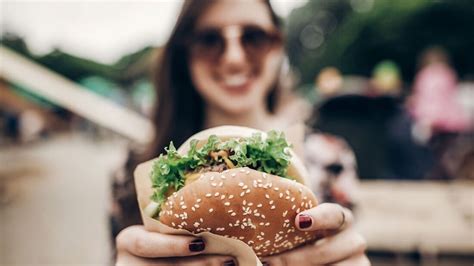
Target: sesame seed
x=242, y=193
x=259, y=205
x=233, y=214
x=281, y=195
x=183, y=207
x=250, y=204
x=241, y=184
x=198, y=200
x=223, y=197
x=208, y=195
x=231, y=196
x=266, y=196
x=220, y=184
x=217, y=194
x=227, y=204
x=285, y=213
x=213, y=184
x=245, y=187
x=273, y=207
x=233, y=174
x=194, y=209
x=211, y=210
x=270, y=202
x=222, y=176
x=276, y=189
x=247, y=172
x=196, y=224
x=247, y=191
x=212, y=178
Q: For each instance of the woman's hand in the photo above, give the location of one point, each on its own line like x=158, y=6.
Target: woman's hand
x=342, y=245
x=136, y=246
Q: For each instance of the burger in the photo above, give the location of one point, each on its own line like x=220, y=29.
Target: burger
x=235, y=182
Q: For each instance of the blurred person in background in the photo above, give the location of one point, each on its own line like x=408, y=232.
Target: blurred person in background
x=440, y=120
x=222, y=65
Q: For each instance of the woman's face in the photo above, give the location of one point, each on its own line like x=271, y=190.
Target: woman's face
x=235, y=55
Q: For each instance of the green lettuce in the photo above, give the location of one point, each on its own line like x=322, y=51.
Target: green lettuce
x=270, y=155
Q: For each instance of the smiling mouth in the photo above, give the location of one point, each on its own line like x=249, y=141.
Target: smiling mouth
x=235, y=81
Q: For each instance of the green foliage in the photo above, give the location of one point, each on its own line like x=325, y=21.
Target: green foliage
x=396, y=30
x=269, y=155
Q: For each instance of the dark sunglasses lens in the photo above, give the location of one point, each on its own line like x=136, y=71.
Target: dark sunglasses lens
x=256, y=40
x=208, y=44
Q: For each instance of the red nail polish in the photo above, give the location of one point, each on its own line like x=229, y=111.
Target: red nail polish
x=196, y=245
x=304, y=221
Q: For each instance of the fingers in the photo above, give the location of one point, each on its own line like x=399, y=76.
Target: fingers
x=356, y=260
x=327, y=250
x=139, y=242
x=326, y=216
x=211, y=260
x=338, y=247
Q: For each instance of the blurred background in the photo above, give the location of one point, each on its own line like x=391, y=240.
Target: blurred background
x=75, y=93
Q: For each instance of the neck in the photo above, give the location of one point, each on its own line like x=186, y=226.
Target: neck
x=258, y=118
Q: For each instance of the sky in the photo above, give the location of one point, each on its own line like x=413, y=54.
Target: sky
x=101, y=30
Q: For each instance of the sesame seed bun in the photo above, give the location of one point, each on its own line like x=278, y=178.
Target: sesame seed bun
x=241, y=203
x=296, y=169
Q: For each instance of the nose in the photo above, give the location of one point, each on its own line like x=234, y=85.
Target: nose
x=234, y=55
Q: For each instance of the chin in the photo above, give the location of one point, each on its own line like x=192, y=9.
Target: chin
x=237, y=109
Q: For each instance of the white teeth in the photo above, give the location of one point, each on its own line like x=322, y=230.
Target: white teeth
x=235, y=80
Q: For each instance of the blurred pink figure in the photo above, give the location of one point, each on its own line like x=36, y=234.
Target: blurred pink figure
x=433, y=103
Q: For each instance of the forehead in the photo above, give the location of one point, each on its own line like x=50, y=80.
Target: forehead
x=236, y=12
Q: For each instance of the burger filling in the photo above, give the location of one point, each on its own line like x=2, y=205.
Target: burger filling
x=171, y=171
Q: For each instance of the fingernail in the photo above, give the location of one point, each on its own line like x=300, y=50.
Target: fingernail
x=264, y=263
x=197, y=245
x=229, y=263
x=305, y=221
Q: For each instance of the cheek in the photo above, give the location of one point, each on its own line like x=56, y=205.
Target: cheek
x=200, y=76
x=270, y=68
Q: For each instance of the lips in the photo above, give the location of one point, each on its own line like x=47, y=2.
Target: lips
x=236, y=84
x=235, y=81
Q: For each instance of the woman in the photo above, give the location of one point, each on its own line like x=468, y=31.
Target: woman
x=221, y=66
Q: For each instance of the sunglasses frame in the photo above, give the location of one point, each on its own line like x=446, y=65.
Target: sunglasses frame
x=274, y=38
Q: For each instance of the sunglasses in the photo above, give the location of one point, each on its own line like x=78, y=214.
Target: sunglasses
x=210, y=43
